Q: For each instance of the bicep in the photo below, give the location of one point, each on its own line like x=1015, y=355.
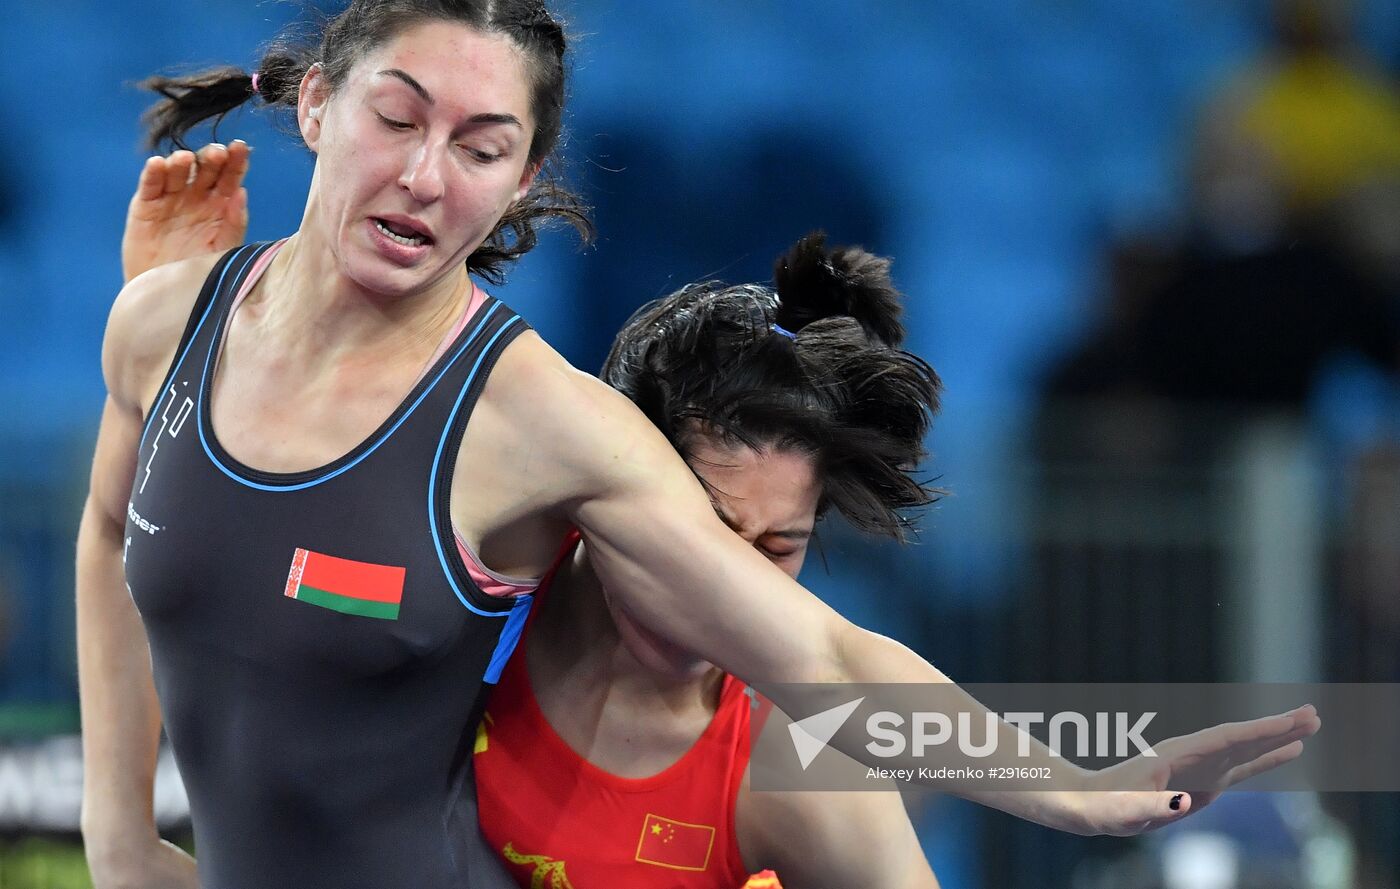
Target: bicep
x=674, y=567
x=114, y=462
x=652, y=536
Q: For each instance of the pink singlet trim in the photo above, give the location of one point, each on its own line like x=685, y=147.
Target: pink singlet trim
x=490, y=582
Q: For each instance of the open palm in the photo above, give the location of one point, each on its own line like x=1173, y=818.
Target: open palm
x=185, y=205
x=1193, y=770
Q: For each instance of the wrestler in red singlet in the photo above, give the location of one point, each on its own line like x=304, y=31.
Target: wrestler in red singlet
x=560, y=821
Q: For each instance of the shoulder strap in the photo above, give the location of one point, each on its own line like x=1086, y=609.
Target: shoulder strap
x=235, y=261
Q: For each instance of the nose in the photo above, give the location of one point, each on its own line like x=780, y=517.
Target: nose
x=422, y=176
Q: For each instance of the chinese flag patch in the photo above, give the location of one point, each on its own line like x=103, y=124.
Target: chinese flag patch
x=675, y=844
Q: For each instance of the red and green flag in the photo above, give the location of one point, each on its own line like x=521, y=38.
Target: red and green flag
x=345, y=585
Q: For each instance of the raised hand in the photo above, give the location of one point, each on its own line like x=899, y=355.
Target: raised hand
x=1208, y=762
x=185, y=205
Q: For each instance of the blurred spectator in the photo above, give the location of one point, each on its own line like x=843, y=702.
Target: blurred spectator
x=1288, y=260
x=1289, y=256
x=1315, y=105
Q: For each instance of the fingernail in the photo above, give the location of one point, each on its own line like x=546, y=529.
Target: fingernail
x=1176, y=802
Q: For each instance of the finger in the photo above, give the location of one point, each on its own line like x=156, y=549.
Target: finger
x=1141, y=811
x=209, y=163
x=236, y=215
x=231, y=177
x=1222, y=737
x=1252, y=750
x=177, y=171
x=1271, y=760
x=152, y=182
x=1173, y=805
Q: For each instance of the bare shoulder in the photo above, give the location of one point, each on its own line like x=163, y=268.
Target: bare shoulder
x=586, y=425
x=145, y=326
x=531, y=374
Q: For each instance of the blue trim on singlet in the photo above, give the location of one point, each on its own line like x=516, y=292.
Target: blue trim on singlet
x=194, y=334
x=299, y=486
x=433, y=476
x=510, y=637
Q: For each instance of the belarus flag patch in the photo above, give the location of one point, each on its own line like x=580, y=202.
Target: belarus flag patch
x=345, y=585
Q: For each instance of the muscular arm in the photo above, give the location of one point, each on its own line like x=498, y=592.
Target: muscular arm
x=675, y=568
x=121, y=721
x=121, y=718
x=813, y=839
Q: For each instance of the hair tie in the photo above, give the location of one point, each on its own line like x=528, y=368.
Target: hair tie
x=783, y=331
x=255, y=82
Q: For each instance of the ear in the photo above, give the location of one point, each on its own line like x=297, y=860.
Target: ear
x=312, y=96
x=527, y=178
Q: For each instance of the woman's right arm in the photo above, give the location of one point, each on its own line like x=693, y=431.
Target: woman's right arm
x=121, y=718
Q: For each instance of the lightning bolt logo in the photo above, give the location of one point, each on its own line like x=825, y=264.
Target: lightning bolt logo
x=165, y=422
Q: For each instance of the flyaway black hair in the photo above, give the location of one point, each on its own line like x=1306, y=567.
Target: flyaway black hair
x=840, y=388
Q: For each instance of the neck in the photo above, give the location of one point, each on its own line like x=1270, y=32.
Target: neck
x=307, y=297
x=574, y=635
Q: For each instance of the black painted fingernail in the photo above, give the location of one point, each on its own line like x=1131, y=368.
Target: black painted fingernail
x=1176, y=802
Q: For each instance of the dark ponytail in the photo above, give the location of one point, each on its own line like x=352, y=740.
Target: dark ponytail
x=191, y=99
x=814, y=283
x=336, y=43
x=813, y=367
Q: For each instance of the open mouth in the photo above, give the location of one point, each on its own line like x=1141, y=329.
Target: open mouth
x=401, y=234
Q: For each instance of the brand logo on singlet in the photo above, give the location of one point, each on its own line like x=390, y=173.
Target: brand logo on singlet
x=139, y=522
x=170, y=424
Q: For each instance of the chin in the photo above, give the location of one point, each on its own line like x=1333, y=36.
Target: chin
x=377, y=273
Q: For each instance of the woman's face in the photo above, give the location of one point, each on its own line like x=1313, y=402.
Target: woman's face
x=769, y=498
x=419, y=153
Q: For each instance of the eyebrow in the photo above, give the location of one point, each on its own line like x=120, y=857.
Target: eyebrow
x=797, y=534
x=422, y=91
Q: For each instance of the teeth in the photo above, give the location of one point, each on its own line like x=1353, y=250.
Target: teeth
x=414, y=241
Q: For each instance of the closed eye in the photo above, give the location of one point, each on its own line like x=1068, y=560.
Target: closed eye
x=485, y=157
x=393, y=124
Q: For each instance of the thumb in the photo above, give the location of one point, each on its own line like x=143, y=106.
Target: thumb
x=1174, y=805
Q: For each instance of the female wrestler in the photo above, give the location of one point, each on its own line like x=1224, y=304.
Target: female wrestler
x=286, y=484
x=600, y=732
x=608, y=754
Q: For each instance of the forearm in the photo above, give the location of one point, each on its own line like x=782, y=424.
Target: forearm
x=869, y=658
x=121, y=717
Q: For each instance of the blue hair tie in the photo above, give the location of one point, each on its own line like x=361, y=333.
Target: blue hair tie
x=785, y=332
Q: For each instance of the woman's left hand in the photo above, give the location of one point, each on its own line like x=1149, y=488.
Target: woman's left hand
x=186, y=205
x=1211, y=761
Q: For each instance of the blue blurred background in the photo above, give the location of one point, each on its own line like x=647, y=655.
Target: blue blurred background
x=1153, y=248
